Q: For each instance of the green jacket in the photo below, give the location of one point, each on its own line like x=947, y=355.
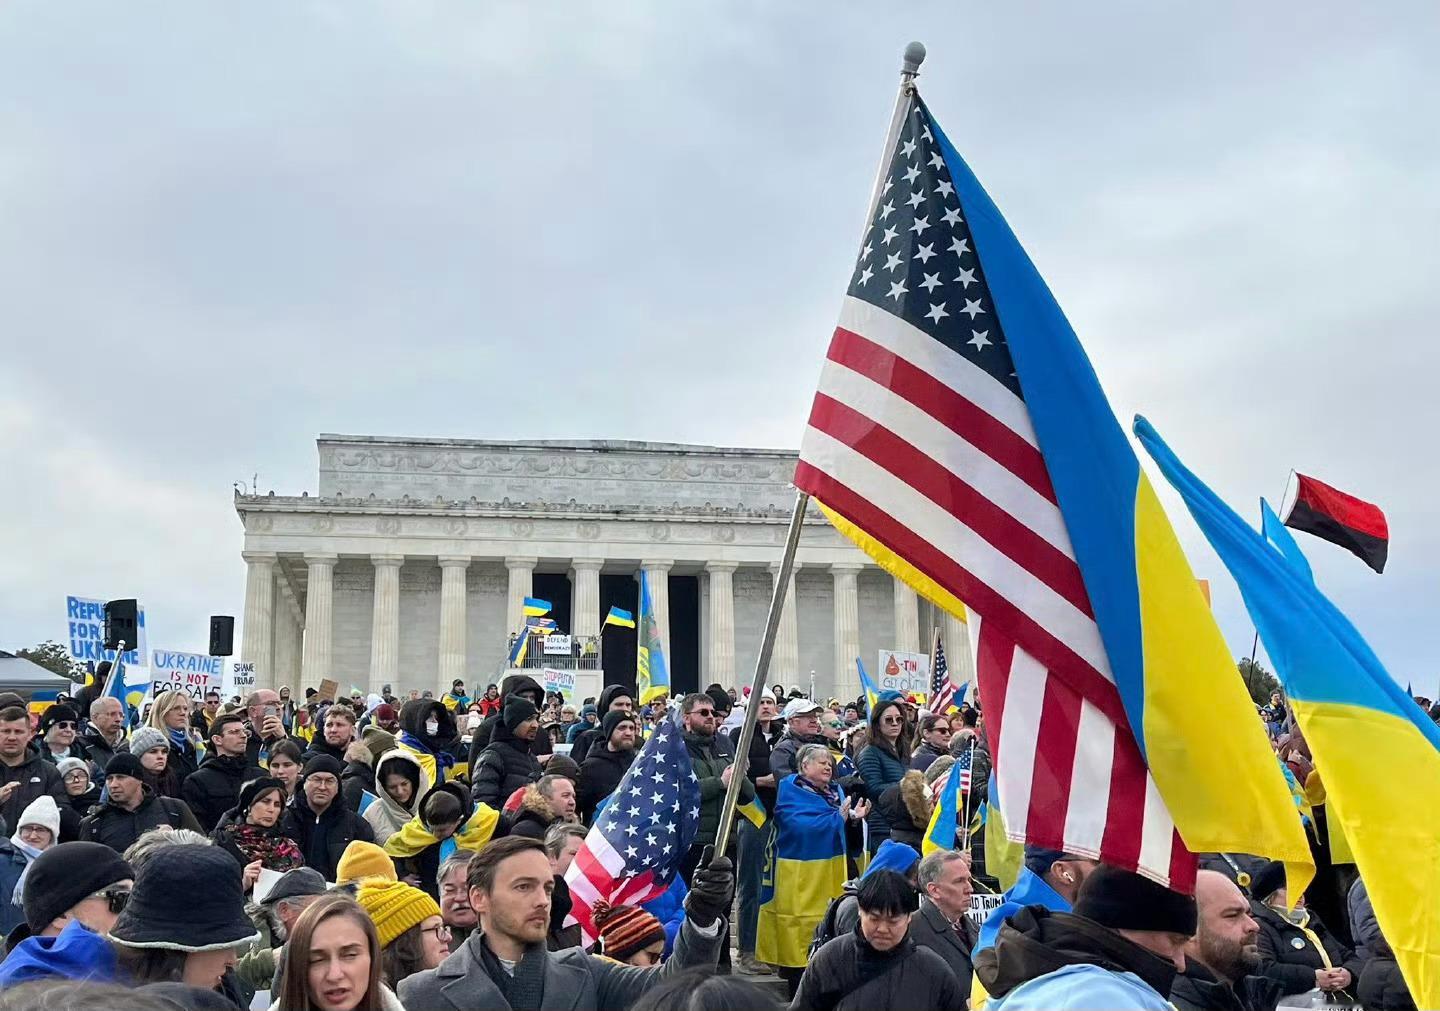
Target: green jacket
x=710, y=762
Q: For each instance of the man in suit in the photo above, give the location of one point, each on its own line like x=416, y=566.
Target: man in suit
x=941, y=923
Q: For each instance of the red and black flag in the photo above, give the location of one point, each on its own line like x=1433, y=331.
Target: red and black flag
x=1356, y=525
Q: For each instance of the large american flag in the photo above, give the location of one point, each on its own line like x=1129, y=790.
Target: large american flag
x=920, y=437
x=942, y=689
x=635, y=847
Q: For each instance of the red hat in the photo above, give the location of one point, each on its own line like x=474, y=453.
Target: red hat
x=385, y=711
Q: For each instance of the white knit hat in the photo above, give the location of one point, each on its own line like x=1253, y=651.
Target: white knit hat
x=43, y=812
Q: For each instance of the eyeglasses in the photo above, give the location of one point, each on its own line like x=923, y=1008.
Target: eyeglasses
x=116, y=897
x=702, y=712
x=441, y=932
x=75, y=776
x=63, y=724
x=890, y=719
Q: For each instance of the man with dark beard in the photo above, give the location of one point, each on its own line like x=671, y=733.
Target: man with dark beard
x=1221, y=958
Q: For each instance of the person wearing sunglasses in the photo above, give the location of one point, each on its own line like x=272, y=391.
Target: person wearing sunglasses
x=885, y=761
x=82, y=882
x=934, y=741
x=59, y=730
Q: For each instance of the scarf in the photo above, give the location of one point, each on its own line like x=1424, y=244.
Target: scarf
x=414, y=836
x=831, y=792
x=30, y=854
x=274, y=850
x=524, y=989
x=441, y=761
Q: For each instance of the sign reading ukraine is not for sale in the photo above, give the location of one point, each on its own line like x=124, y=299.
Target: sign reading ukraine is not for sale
x=189, y=672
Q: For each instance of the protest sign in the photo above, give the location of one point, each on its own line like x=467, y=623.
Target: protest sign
x=326, y=690
x=191, y=672
x=562, y=681
x=239, y=678
x=557, y=645
x=981, y=906
x=903, y=672
x=85, y=619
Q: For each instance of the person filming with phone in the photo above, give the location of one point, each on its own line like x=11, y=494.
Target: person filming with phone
x=263, y=723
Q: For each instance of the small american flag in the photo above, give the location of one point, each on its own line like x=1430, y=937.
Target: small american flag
x=920, y=443
x=635, y=847
x=942, y=689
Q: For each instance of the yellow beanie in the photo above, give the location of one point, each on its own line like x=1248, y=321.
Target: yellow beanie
x=395, y=907
x=364, y=860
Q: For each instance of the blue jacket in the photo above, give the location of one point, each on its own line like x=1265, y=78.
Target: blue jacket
x=669, y=908
x=78, y=953
x=879, y=769
x=1029, y=889
x=1082, y=988
x=12, y=865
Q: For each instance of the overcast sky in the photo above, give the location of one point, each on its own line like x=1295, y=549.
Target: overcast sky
x=225, y=228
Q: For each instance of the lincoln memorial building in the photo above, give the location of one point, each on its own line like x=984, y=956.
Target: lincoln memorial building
x=409, y=563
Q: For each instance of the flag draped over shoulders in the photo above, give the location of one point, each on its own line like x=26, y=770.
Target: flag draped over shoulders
x=413, y=836
x=804, y=870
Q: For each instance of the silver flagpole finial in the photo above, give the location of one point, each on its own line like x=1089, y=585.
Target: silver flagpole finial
x=914, y=56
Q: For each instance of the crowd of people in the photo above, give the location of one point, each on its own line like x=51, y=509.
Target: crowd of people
x=385, y=853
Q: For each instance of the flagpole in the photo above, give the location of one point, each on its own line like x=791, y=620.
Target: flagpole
x=965, y=805
x=909, y=68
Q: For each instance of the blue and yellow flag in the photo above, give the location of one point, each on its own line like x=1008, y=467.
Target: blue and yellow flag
x=754, y=812
x=945, y=819
x=534, y=607
x=1371, y=743
x=519, y=648
x=619, y=616
x=652, y=677
x=872, y=696
x=804, y=870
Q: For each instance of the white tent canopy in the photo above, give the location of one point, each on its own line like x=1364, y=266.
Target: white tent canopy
x=26, y=678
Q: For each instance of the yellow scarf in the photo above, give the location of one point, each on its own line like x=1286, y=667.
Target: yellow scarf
x=473, y=835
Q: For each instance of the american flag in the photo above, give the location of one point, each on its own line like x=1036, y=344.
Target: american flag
x=635, y=847
x=920, y=437
x=942, y=689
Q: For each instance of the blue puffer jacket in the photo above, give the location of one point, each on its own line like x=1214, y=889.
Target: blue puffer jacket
x=78, y=953
x=879, y=769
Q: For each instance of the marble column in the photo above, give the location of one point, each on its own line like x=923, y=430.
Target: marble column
x=385, y=622
x=847, y=628
x=955, y=634
x=785, y=661
x=522, y=582
x=452, y=621
x=657, y=577
x=319, y=623
x=721, y=647
x=585, y=601
x=907, y=620
x=289, y=633
x=257, y=633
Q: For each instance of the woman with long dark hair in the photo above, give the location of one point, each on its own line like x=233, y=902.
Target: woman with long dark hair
x=250, y=830
x=884, y=761
x=332, y=961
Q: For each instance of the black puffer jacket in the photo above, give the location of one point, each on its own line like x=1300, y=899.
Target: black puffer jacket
x=36, y=777
x=595, y=737
x=600, y=774
x=1288, y=954
x=214, y=788
x=515, y=684
x=323, y=839
x=117, y=828
x=502, y=768
x=847, y=974
x=1381, y=987
x=443, y=745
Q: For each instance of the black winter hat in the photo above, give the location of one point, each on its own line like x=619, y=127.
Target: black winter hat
x=518, y=709
x=193, y=900
x=55, y=714
x=1123, y=900
x=722, y=700
x=611, y=693
x=124, y=764
x=64, y=875
x=251, y=791
x=613, y=720
x=323, y=763
x=1267, y=880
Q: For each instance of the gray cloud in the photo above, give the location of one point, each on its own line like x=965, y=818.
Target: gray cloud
x=305, y=217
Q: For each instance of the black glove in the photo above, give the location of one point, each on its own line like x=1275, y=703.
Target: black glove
x=712, y=886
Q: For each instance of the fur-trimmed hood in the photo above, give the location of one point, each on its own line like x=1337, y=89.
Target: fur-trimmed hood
x=916, y=796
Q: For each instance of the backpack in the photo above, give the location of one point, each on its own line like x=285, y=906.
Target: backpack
x=825, y=929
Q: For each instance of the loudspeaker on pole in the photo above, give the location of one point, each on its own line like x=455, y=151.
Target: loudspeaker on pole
x=222, y=635
x=121, y=622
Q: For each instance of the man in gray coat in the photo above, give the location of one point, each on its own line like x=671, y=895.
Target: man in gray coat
x=504, y=965
x=941, y=923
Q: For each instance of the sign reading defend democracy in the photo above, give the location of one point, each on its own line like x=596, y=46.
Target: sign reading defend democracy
x=191, y=672
x=85, y=622
x=903, y=672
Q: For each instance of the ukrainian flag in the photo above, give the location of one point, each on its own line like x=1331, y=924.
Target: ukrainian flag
x=1370, y=742
x=804, y=870
x=945, y=819
x=872, y=695
x=621, y=617
x=534, y=608
x=652, y=677
x=413, y=836
x=754, y=811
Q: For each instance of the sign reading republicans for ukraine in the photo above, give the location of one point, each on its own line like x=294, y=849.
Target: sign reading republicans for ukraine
x=85, y=619
x=190, y=672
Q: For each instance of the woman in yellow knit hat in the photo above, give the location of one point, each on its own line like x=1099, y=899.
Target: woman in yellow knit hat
x=412, y=934
x=362, y=860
